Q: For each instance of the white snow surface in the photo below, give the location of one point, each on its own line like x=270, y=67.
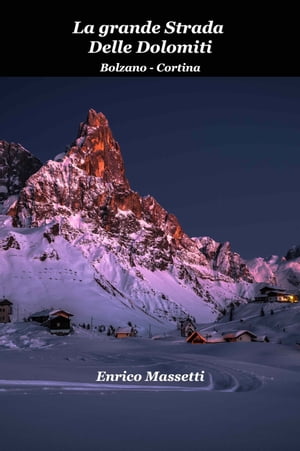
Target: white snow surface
x=250, y=391
x=90, y=276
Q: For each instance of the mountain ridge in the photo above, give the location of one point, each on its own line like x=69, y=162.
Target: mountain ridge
x=137, y=252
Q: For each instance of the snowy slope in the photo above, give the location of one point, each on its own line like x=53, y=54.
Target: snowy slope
x=278, y=271
x=80, y=238
x=40, y=270
x=278, y=321
x=248, y=400
x=37, y=274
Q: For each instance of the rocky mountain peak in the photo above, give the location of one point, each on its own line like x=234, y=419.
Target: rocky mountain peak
x=90, y=232
x=95, y=119
x=223, y=259
x=16, y=166
x=89, y=183
x=96, y=152
x=293, y=252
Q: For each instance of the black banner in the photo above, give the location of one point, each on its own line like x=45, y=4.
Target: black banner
x=205, y=43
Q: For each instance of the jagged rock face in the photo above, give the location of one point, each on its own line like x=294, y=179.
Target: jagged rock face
x=222, y=259
x=293, y=253
x=97, y=153
x=90, y=183
x=16, y=166
x=263, y=270
x=283, y=272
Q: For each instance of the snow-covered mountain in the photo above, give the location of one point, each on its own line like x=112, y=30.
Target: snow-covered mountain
x=16, y=166
x=79, y=237
x=279, y=271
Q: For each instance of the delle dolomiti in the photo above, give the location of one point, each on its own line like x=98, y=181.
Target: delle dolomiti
x=119, y=46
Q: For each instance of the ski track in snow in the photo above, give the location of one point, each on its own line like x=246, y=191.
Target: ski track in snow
x=222, y=377
x=216, y=379
x=82, y=386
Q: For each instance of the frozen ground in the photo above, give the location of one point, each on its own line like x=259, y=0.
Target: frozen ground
x=50, y=399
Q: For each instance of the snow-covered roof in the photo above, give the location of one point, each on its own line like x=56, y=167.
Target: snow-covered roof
x=5, y=302
x=268, y=288
x=51, y=313
x=238, y=334
x=58, y=312
x=45, y=312
x=194, y=335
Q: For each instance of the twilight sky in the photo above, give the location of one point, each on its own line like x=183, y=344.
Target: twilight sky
x=222, y=154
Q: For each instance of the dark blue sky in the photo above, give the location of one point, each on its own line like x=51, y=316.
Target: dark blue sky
x=222, y=154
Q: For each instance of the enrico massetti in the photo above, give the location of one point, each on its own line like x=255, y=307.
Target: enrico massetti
x=151, y=376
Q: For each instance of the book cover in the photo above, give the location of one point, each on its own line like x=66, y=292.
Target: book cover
x=149, y=231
